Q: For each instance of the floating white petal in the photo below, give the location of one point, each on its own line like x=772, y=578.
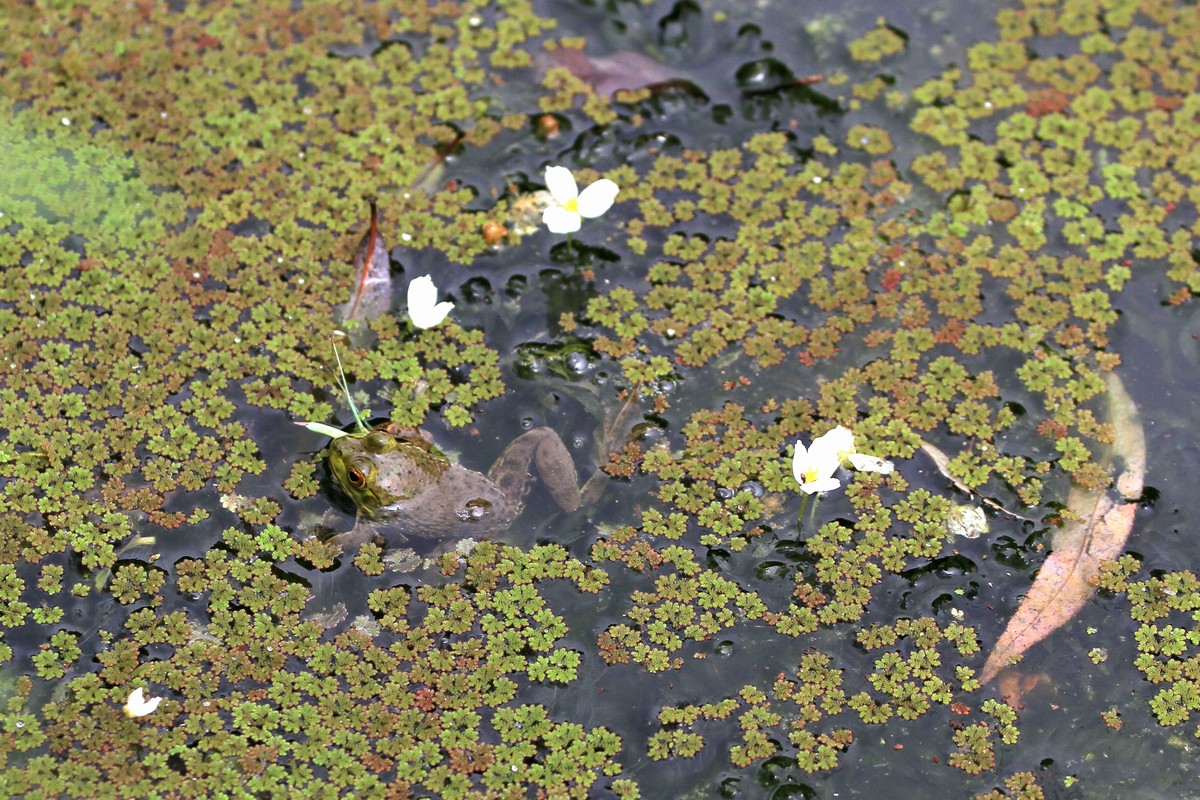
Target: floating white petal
x=423, y=308
x=865, y=463
x=138, y=705
x=569, y=206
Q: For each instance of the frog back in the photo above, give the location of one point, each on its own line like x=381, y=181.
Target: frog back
x=459, y=503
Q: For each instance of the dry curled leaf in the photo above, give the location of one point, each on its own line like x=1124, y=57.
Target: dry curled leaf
x=1098, y=533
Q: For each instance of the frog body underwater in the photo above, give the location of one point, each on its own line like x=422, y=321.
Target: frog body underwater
x=396, y=475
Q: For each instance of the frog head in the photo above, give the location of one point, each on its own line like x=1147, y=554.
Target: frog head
x=379, y=468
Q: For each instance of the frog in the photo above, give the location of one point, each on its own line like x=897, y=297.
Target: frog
x=398, y=478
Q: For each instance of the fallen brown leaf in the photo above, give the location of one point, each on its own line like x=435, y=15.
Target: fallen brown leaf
x=1098, y=532
x=1065, y=582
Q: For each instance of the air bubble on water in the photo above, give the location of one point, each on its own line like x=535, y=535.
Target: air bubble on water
x=577, y=363
x=753, y=487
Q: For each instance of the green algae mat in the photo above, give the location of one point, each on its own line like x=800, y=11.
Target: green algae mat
x=946, y=228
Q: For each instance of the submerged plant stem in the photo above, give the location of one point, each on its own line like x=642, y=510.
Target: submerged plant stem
x=803, y=509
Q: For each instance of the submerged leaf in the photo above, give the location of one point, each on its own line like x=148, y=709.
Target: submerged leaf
x=1066, y=580
x=942, y=462
x=1102, y=526
x=372, y=293
x=610, y=74
x=430, y=178
x=1129, y=440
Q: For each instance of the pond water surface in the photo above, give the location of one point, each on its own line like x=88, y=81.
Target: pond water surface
x=787, y=254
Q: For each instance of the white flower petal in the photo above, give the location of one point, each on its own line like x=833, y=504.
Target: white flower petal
x=423, y=308
x=826, y=454
x=561, y=184
x=865, y=463
x=815, y=466
x=559, y=220
x=840, y=441
x=422, y=292
x=823, y=485
x=799, y=461
x=138, y=706
x=431, y=317
x=597, y=198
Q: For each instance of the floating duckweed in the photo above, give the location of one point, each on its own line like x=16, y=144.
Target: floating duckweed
x=879, y=43
x=166, y=268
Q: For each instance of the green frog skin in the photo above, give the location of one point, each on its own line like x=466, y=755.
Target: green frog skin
x=395, y=475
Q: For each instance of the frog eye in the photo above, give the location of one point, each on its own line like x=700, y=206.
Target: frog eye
x=356, y=476
x=378, y=442
x=474, y=510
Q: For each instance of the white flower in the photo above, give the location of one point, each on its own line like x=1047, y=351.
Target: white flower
x=423, y=308
x=138, y=706
x=842, y=439
x=815, y=466
x=569, y=205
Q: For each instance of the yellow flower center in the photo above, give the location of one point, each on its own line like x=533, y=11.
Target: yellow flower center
x=810, y=474
x=572, y=205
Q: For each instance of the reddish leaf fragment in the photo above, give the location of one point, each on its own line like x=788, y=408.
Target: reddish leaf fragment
x=1014, y=686
x=1046, y=101
x=372, y=293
